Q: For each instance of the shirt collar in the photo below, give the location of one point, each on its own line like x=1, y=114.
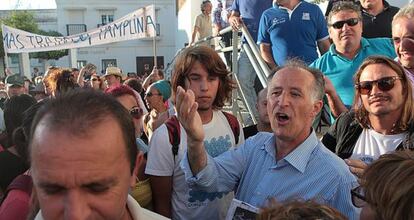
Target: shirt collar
x=299, y=157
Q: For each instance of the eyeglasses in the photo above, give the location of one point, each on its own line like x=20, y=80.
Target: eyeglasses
x=384, y=84
x=136, y=112
x=358, y=197
x=149, y=94
x=95, y=79
x=350, y=22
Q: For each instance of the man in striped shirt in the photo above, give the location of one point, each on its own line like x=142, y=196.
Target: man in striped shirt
x=290, y=163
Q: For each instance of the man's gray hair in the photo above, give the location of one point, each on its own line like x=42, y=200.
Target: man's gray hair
x=318, y=88
x=405, y=12
x=344, y=6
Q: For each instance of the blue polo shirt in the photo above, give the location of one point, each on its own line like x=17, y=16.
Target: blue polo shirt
x=341, y=70
x=251, y=11
x=293, y=33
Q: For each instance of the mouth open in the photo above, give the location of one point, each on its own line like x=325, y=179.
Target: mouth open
x=282, y=118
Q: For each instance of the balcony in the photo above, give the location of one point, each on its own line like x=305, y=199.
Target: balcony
x=72, y=29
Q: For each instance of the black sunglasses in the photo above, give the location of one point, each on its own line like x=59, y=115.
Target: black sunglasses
x=149, y=94
x=384, y=84
x=350, y=22
x=358, y=197
x=136, y=112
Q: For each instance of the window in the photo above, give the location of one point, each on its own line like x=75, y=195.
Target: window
x=81, y=63
x=14, y=58
x=107, y=17
x=108, y=62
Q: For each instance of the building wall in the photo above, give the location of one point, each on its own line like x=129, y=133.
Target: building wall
x=89, y=12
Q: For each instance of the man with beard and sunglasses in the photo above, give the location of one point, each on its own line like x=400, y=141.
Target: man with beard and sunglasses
x=346, y=53
x=381, y=119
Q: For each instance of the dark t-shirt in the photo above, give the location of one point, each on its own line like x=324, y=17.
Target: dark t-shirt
x=10, y=167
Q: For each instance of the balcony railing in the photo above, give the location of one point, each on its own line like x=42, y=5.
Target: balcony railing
x=72, y=29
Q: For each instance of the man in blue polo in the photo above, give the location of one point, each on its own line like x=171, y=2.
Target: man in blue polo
x=347, y=52
x=248, y=12
x=292, y=28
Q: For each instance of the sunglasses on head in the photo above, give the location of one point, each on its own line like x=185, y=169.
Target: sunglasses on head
x=384, y=84
x=149, y=94
x=350, y=22
x=136, y=112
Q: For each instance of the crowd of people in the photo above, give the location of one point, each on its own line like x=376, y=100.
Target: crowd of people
x=76, y=144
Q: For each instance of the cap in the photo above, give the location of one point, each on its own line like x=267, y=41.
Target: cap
x=164, y=88
x=14, y=80
x=112, y=70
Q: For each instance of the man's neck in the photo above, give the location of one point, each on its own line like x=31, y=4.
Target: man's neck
x=291, y=4
x=384, y=124
x=264, y=127
x=349, y=53
x=206, y=115
x=284, y=147
x=376, y=9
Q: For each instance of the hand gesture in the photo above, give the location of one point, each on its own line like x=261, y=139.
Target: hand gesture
x=357, y=167
x=188, y=116
x=235, y=22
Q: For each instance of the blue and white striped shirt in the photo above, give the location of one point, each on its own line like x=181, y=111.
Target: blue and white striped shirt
x=310, y=171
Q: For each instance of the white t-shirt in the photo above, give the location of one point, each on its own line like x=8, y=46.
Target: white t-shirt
x=371, y=144
x=186, y=203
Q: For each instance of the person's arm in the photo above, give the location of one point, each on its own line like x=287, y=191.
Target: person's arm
x=334, y=101
x=266, y=52
x=151, y=78
x=323, y=46
x=161, y=187
x=80, y=77
x=190, y=119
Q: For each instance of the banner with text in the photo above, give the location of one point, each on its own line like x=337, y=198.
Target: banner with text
x=138, y=24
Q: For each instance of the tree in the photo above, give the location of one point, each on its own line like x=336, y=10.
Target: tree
x=23, y=20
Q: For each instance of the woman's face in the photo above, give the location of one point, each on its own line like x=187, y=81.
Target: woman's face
x=153, y=98
x=96, y=82
x=130, y=103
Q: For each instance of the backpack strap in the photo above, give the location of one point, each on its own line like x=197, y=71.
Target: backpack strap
x=173, y=127
x=234, y=125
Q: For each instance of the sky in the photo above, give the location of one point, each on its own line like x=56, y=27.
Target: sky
x=27, y=4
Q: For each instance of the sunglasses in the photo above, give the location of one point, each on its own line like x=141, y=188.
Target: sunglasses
x=95, y=79
x=358, y=197
x=384, y=84
x=350, y=22
x=136, y=112
x=149, y=94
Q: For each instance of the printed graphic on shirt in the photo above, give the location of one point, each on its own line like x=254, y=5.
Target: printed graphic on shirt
x=214, y=147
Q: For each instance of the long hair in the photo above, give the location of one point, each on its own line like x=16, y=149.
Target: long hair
x=407, y=115
x=212, y=62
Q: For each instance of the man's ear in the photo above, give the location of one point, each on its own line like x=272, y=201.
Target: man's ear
x=317, y=106
x=138, y=164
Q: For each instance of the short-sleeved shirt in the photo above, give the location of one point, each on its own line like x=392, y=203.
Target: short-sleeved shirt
x=341, y=70
x=251, y=11
x=205, y=26
x=293, y=33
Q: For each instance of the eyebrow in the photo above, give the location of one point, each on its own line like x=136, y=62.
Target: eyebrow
x=100, y=182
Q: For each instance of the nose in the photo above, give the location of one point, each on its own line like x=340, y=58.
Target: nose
x=283, y=99
x=407, y=44
x=76, y=206
x=375, y=89
x=204, y=85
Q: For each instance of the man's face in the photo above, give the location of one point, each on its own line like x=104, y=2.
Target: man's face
x=348, y=37
x=203, y=85
x=403, y=36
x=112, y=80
x=207, y=8
x=369, y=4
x=378, y=102
x=84, y=177
x=14, y=90
x=262, y=107
x=290, y=106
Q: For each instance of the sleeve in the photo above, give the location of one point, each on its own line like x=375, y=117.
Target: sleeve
x=160, y=160
x=235, y=6
x=322, y=28
x=263, y=35
x=330, y=138
x=197, y=22
x=342, y=199
x=222, y=173
x=241, y=135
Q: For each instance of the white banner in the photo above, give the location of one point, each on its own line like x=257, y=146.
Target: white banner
x=138, y=24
